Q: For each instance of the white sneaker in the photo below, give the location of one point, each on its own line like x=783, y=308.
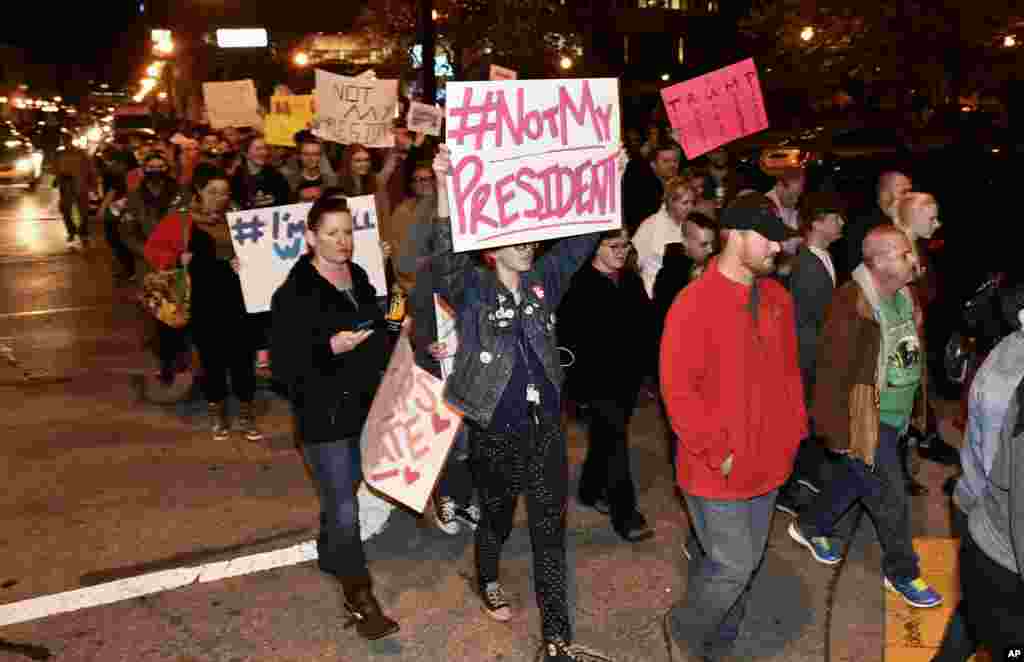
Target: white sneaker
x=444, y=515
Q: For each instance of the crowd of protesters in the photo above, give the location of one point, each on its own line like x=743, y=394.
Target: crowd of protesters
x=790, y=372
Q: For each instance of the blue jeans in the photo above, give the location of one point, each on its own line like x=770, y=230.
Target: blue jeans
x=733, y=535
x=336, y=466
x=882, y=490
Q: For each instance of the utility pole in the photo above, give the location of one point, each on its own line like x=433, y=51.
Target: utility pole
x=427, y=38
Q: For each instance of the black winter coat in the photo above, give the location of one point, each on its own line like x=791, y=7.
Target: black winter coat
x=330, y=394
x=610, y=329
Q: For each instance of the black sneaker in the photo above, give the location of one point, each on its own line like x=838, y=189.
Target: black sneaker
x=634, y=528
x=468, y=515
x=496, y=605
x=786, y=504
x=556, y=650
x=599, y=504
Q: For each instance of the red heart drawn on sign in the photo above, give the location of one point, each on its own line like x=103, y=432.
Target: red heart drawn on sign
x=411, y=476
x=440, y=424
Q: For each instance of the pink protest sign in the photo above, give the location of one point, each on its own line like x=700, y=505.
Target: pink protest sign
x=409, y=430
x=716, y=108
x=532, y=160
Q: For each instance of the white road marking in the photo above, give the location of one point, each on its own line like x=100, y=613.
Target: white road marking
x=154, y=582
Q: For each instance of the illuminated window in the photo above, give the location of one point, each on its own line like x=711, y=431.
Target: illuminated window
x=712, y=6
x=625, y=48
x=680, y=51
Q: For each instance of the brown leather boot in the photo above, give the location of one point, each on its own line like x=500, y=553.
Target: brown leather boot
x=364, y=611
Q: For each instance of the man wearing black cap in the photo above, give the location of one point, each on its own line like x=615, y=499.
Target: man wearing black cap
x=731, y=384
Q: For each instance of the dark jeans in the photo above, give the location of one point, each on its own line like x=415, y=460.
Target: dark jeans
x=526, y=459
x=733, y=535
x=882, y=490
x=170, y=344
x=957, y=643
x=336, y=467
x=67, y=203
x=606, y=471
x=456, y=479
x=122, y=254
x=992, y=593
x=224, y=348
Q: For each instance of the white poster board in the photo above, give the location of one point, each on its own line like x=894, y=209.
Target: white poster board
x=355, y=110
x=532, y=160
x=424, y=118
x=446, y=333
x=232, y=103
x=269, y=241
x=409, y=430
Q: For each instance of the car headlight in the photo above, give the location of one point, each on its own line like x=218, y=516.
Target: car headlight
x=24, y=165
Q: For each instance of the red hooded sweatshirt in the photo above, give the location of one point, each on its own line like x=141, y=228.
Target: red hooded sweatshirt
x=732, y=386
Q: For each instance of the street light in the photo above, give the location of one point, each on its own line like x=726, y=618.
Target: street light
x=153, y=70
x=665, y=77
x=300, y=59
x=1009, y=41
x=162, y=96
x=148, y=83
x=807, y=33
x=565, y=62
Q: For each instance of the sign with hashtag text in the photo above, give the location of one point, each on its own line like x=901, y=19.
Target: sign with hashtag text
x=409, y=430
x=269, y=241
x=532, y=160
x=355, y=110
x=716, y=108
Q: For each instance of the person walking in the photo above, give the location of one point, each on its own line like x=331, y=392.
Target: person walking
x=731, y=385
x=330, y=370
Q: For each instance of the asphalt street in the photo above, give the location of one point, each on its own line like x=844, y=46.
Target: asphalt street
x=104, y=484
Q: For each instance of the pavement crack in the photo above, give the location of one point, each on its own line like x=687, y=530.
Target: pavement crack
x=833, y=585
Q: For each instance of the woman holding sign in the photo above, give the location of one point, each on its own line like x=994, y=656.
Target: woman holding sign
x=330, y=359
x=507, y=379
x=200, y=240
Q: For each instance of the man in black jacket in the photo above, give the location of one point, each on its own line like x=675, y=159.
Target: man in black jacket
x=811, y=284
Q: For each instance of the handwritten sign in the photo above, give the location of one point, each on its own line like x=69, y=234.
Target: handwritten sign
x=269, y=241
x=355, y=110
x=288, y=115
x=501, y=73
x=716, y=108
x=424, y=118
x=232, y=103
x=445, y=315
x=409, y=430
x=532, y=160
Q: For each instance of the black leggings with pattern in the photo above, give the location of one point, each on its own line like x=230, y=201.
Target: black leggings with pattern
x=529, y=460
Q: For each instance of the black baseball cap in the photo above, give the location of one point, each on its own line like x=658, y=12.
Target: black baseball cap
x=754, y=211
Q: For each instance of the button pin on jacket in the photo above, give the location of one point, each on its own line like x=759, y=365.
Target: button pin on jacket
x=528, y=310
x=485, y=357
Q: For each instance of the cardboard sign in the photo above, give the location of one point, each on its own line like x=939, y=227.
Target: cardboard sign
x=409, y=430
x=288, y=115
x=355, y=110
x=501, y=73
x=232, y=103
x=446, y=333
x=532, y=160
x=269, y=241
x=716, y=108
x=424, y=118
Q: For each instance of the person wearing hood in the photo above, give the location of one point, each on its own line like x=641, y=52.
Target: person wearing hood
x=731, y=383
x=330, y=370
x=870, y=386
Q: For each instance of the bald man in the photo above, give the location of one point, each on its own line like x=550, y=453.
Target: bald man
x=870, y=383
x=892, y=187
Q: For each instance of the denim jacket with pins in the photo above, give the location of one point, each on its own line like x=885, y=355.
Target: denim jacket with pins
x=489, y=319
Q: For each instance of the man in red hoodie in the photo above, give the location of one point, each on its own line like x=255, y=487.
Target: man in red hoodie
x=731, y=383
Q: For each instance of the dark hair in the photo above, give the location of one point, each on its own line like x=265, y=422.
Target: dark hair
x=333, y=192
x=204, y=174
x=304, y=136
x=703, y=221
x=664, y=146
x=323, y=207
x=816, y=206
x=611, y=234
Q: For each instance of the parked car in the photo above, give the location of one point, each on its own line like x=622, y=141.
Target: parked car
x=21, y=164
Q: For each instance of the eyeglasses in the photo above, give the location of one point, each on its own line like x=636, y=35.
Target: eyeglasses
x=522, y=248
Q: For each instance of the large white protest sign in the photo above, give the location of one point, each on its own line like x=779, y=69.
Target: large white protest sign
x=424, y=118
x=446, y=333
x=409, y=430
x=532, y=160
x=232, y=103
x=355, y=110
x=269, y=241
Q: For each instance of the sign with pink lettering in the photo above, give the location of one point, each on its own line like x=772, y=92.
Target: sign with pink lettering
x=716, y=108
x=409, y=430
x=532, y=160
